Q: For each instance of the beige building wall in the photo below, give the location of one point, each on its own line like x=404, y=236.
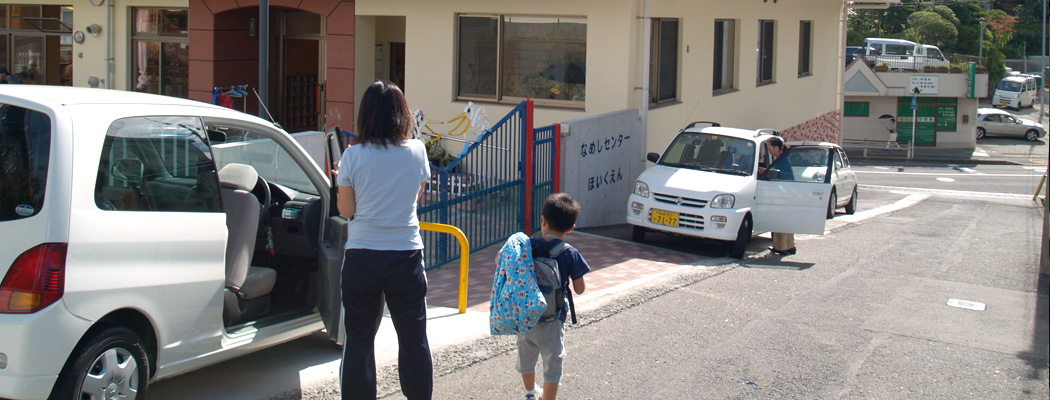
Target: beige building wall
x=614, y=60
x=89, y=57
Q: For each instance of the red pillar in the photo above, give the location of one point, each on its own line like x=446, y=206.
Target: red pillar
x=530, y=165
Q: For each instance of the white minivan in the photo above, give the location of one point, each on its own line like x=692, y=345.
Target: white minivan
x=1016, y=91
x=707, y=184
x=903, y=54
x=145, y=236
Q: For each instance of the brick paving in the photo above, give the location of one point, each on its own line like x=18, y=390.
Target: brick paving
x=613, y=262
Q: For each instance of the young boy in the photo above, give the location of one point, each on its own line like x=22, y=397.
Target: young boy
x=558, y=218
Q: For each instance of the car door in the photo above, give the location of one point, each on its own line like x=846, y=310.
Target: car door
x=332, y=243
x=1012, y=126
x=992, y=124
x=792, y=196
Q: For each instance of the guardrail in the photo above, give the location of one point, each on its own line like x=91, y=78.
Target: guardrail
x=464, y=258
x=875, y=144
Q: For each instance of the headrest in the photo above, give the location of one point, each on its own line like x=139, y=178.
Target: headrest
x=238, y=176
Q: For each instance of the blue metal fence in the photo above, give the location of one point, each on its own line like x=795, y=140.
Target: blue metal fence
x=481, y=191
x=543, y=170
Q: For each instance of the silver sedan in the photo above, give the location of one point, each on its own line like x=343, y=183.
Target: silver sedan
x=991, y=121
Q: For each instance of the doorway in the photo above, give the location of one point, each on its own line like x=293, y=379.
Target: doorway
x=297, y=52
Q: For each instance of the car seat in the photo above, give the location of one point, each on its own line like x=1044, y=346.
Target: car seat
x=247, y=287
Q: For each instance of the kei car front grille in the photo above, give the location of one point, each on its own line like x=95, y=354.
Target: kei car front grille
x=682, y=201
x=690, y=221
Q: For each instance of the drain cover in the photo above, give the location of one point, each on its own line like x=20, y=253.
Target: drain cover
x=969, y=305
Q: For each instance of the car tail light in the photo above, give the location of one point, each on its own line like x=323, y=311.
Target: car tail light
x=35, y=280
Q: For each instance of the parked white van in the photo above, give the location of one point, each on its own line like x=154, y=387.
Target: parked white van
x=145, y=236
x=707, y=184
x=903, y=54
x=1016, y=91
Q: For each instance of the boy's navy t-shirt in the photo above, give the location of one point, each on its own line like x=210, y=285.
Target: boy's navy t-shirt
x=570, y=264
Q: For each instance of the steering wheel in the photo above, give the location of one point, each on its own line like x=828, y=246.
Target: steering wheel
x=264, y=205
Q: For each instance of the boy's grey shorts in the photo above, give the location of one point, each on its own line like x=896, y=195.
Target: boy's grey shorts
x=546, y=339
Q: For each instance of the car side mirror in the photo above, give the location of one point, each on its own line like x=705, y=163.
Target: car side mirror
x=652, y=157
x=127, y=170
x=772, y=174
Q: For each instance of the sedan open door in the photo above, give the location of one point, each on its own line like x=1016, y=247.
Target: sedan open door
x=792, y=195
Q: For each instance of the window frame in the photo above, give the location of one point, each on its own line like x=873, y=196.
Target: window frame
x=656, y=59
x=805, y=48
x=724, y=70
x=160, y=38
x=853, y=105
x=500, y=97
x=764, y=76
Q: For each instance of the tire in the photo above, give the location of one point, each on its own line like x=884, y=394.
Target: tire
x=743, y=237
x=851, y=207
x=637, y=233
x=110, y=363
x=980, y=133
x=832, y=204
x=1032, y=135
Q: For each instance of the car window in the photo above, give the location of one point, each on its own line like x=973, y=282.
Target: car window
x=157, y=164
x=803, y=164
x=838, y=160
x=992, y=118
x=235, y=144
x=1010, y=119
x=1009, y=86
x=25, y=152
x=707, y=152
x=845, y=159
x=899, y=50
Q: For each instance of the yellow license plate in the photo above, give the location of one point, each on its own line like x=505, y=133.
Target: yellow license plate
x=662, y=217
x=1005, y=104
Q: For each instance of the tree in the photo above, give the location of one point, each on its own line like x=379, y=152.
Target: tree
x=932, y=28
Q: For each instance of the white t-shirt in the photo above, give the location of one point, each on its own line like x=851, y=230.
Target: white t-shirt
x=386, y=184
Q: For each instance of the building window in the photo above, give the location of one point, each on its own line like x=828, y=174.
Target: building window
x=805, y=48
x=36, y=43
x=855, y=109
x=725, y=54
x=513, y=57
x=663, y=61
x=766, y=51
x=160, y=51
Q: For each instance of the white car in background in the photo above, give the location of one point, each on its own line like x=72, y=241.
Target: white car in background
x=146, y=236
x=991, y=121
x=707, y=184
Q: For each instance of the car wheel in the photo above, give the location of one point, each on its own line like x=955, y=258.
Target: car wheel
x=980, y=133
x=1032, y=135
x=110, y=364
x=832, y=203
x=743, y=237
x=637, y=233
x=851, y=207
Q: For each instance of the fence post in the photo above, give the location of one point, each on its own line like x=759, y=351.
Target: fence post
x=556, y=173
x=530, y=165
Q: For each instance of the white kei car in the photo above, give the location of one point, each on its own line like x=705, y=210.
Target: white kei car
x=707, y=184
x=145, y=236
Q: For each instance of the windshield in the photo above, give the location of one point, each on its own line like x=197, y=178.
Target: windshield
x=707, y=152
x=899, y=50
x=1009, y=86
x=25, y=152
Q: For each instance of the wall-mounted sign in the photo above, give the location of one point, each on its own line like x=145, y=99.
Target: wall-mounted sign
x=927, y=84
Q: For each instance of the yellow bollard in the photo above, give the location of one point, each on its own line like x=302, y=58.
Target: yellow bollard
x=464, y=258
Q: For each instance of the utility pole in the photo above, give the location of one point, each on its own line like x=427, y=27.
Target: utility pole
x=981, y=51
x=1042, y=91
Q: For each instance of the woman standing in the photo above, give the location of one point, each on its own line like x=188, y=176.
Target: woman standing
x=380, y=180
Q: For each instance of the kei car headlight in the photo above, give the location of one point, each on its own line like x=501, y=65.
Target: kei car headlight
x=723, y=201
x=641, y=189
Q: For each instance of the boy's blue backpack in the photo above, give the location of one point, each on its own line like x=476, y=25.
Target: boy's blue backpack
x=548, y=278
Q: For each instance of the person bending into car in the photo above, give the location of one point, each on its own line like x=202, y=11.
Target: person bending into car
x=783, y=243
x=380, y=180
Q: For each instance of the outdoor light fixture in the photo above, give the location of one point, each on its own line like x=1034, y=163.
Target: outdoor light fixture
x=93, y=29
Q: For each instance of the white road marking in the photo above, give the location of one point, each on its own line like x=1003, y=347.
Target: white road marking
x=984, y=175
x=980, y=154
x=901, y=204
x=943, y=179
x=950, y=193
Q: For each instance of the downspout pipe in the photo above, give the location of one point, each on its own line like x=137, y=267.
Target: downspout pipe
x=108, y=83
x=647, y=33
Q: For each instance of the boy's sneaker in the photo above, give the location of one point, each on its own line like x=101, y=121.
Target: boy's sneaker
x=534, y=394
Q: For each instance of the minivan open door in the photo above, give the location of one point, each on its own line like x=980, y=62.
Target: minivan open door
x=792, y=196
x=331, y=254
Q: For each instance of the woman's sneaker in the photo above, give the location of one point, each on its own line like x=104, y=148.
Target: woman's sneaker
x=534, y=394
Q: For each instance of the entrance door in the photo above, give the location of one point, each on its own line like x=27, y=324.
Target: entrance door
x=300, y=57
x=925, y=132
